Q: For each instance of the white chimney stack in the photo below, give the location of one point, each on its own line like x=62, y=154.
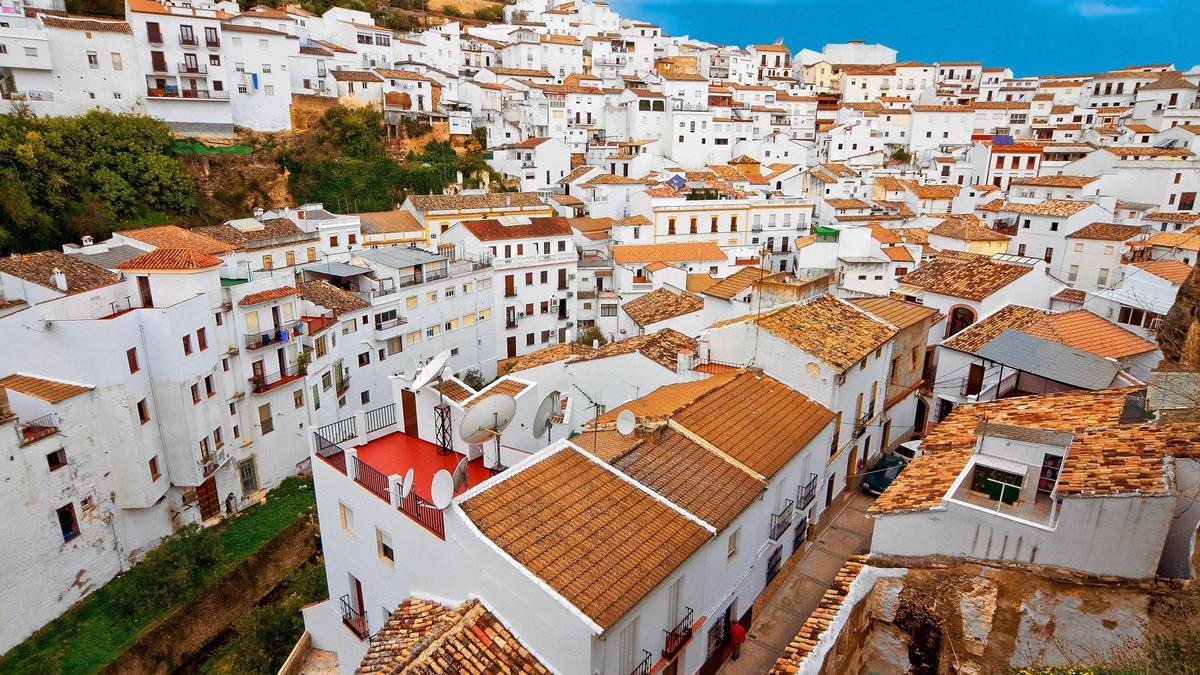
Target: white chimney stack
x=87, y=240
x=683, y=362
x=258, y=213
x=59, y=279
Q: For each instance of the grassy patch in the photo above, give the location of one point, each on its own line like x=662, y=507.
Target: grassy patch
x=92, y=634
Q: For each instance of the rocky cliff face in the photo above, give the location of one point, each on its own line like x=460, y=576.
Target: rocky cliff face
x=1179, y=335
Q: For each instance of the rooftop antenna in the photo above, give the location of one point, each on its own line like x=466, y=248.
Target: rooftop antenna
x=441, y=412
x=543, y=419
x=626, y=422
x=595, y=415
x=406, y=485
x=441, y=490
x=460, y=475
x=485, y=421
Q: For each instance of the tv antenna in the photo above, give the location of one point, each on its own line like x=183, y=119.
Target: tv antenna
x=485, y=421
x=595, y=415
x=441, y=412
x=626, y=422
x=442, y=489
x=406, y=485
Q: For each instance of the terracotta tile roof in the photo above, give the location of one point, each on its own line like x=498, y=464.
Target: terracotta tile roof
x=883, y=235
x=173, y=236
x=913, y=235
x=1124, y=460
x=973, y=278
x=735, y=283
x=562, y=351
x=1049, y=207
x=949, y=444
x=689, y=475
x=967, y=229
x=666, y=400
x=85, y=24
x=1071, y=295
x=757, y=420
x=491, y=200
x=1078, y=328
x=606, y=178
x=269, y=295
x=847, y=204
x=52, y=391
x=454, y=390
x=1056, y=181
x=629, y=254
x=661, y=304
x=943, y=108
x=931, y=191
x=696, y=283
x=792, y=659
x=273, y=229
x=422, y=636
x=325, y=294
x=355, y=76
x=494, y=230
x=505, y=386
x=393, y=74
x=899, y=313
x=575, y=174
x=567, y=200
x=1146, y=151
x=830, y=329
x=898, y=254
x=1106, y=232
x=395, y=221
x=1163, y=216
x=637, y=219
x=38, y=267
x=519, y=72
x=166, y=259
x=613, y=543
x=1188, y=240
x=1174, y=271
x=662, y=347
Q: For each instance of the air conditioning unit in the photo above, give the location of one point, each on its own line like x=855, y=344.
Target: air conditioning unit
x=520, y=315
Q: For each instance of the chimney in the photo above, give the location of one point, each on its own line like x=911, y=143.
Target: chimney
x=299, y=214
x=88, y=240
x=683, y=362
x=5, y=411
x=59, y=279
x=507, y=199
x=258, y=213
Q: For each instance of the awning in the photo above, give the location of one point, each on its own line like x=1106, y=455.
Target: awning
x=336, y=269
x=825, y=231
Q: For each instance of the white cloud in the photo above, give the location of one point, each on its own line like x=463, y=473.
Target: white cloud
x=1094, y=9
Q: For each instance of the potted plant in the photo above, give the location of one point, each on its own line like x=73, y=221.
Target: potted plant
x=258, y=383
x=302, y=361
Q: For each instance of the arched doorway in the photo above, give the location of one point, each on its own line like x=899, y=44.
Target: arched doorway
x=960, y=317
x=920, y=418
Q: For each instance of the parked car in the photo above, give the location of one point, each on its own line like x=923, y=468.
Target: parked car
x=882, y=473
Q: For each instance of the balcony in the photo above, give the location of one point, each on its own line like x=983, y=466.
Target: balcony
x=154, y=37
x=199, y=94
x=510, y=322
x=188, y=41
x=677, y=638
x=193, y=68
x=382, y=327
x=215, y=460
x=275, y=336
x=780, y=521
x=860, y=425
x=643, y=666
x=343, y=385
x=261, y=385
x=212, y=42
x=37, y=429
x=354, y=619
x=807, y=492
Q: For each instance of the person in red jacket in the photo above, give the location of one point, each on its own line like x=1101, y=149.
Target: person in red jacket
x=737, y=635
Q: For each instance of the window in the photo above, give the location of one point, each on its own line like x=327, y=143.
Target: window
x=57, y=459
x=116, y=61
x=345, y=517
x=364, y=397
x=209, y=386
x=333, y=241
x=1049, y=254
x=67, y=522
x=608, y=310
x=731, y=545
x=187, y=345
x=218, y=438
x=298, y=398
x=31, y=51
x=410, y=302
x=132, y=358
x=1073, y=273
x=1079, y=247
x=248, y=475
x=326, y=381
x=195, y=393
x=1102, y=277
x=155, y=474
x=265, y=421
x=143, y=410
x=383, y=545
x=93, y=61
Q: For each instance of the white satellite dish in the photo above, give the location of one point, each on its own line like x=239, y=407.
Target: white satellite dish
x=626, y=422
x=442, y=489
x=487, y=418
x=460, y=474
x=406, y=486
x=407, y=367
x=431, y=371
x=545, y=413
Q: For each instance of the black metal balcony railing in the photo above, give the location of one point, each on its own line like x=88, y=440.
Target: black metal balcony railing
x=781, y=520
x=188, y=40
x=800, y=534
x=860, y=425
x=380, y=418
x=774, y=562
x=678, y=636
x=510, y=322
x=808, y=492
x=643, y=666
x=274, y=336
x=262, y=384
x=354, y=619
x=343, y=385
x=195, y=68
x=332, y=452
x=35, y=429
x=212, y=42
x=428, y=515
x=369, y=477
x=339, y=431
x=391, y=323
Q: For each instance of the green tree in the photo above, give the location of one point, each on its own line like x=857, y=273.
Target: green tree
x=590, y=335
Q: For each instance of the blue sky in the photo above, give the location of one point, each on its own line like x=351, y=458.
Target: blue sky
x=1033, y=37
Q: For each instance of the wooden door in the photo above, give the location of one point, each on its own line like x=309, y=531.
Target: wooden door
x=974, y=380
x=206, y=496
x=512, y=346
x=852, y=467
x=144, y=291
x=408, y=401
x=509, y=286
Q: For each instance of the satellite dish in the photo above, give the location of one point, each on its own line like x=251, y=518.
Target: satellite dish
x=486, y=419
x=406, y=486
x=460, y=474
x=545, y=412
x=626, y=422
x=431, y=371
x=442, y=489
x=407, y=367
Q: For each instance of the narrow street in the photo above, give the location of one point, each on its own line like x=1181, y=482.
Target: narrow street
x=778, y=621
